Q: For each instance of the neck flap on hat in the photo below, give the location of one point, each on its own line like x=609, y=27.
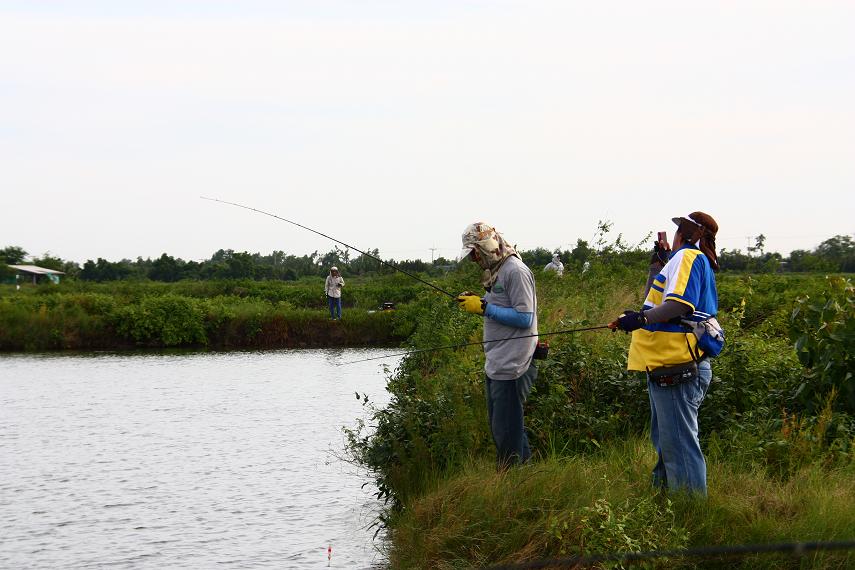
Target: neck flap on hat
x=492, y=249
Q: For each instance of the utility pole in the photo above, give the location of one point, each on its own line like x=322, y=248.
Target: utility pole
x=432, y=249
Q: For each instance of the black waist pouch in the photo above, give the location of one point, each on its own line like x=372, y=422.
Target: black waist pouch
x=672, y=375
x=541, y=351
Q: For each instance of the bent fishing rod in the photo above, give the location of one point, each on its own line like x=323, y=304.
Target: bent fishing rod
x=408, y=274
x=473, y=343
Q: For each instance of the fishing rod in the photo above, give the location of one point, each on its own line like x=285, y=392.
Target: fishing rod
x=408, y=274
x=433, y=348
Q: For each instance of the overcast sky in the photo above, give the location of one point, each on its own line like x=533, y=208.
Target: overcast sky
x=394, y=124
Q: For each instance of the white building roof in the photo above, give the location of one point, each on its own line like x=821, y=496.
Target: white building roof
x=36, y=269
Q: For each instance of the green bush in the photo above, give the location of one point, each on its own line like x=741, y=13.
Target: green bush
x=823, y=330
x=434, y=418
x=232, y=313
x=168, y=320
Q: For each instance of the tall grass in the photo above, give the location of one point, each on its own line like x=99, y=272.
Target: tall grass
x=602, y=503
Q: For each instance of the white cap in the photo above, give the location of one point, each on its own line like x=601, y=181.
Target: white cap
x=464, y=253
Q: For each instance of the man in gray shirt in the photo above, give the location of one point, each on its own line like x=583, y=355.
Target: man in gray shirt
x=509, y=309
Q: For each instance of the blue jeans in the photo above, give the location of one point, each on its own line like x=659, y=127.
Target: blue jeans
x=335, y=307
x=505, y=401
x=674, y=432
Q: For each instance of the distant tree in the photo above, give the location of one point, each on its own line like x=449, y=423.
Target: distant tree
x=191, y=270
x=365, y=264
x=12, y=255
x=7, y=274
x=536, y=258
x=142, y=266
x=336, y=257
x=262, y=272
x=103, y=270
x=70, y=268
x=769, y=263
x=733, y=260
x=299, y=266
x=759, y=245
x=222, y=255
x=840, y=251
x=213, y=270
x=49, y=261
x=603, y=228
x=276, y=260
x=88, y=271
x=441, y=265
x=801, y=260
x=241, y=266
x=415, y=265
x=581, y=253
x=165, y=268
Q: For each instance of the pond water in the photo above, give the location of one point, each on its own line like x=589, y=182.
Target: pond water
x=190, y=460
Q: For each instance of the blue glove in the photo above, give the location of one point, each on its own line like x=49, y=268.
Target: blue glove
x=631, y=320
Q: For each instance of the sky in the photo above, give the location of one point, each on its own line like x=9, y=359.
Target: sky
x=393, y=124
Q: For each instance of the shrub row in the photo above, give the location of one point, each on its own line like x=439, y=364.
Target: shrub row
x=100, y=321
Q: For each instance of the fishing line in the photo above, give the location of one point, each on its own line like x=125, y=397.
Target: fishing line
x=408, y=274
x=417, y=351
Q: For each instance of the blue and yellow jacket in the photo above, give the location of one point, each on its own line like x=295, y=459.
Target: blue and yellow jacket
x=686, y=278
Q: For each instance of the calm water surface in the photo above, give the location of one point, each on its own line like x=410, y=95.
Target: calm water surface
x=184, y=461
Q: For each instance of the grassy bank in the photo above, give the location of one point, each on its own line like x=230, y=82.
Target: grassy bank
x=777, y=427
x=218, y=314
x=602, y=502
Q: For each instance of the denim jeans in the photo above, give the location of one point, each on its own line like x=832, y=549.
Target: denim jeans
x=505, y=401
x=335, y=306
x=674, y=432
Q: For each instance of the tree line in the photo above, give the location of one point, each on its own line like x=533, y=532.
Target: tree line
x=836, y=254
x=224, y=264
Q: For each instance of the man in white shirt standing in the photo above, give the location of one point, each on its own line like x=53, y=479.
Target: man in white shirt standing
x=333, y=286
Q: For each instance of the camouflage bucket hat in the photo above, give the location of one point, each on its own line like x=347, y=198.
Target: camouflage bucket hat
x=491, y=247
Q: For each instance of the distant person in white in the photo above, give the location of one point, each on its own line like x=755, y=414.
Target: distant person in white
x=333, y=286
x=555, y=265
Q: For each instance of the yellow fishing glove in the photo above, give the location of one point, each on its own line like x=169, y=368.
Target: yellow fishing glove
x=471, y=303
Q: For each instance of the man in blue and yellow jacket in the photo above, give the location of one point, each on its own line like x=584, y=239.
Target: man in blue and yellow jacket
x=678, y=371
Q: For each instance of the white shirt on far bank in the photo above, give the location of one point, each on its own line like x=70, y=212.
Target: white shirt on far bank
x=333, y=285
